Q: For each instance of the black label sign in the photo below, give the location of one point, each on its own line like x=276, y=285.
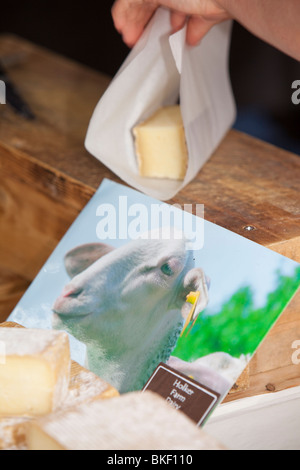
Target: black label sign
x=182, y=393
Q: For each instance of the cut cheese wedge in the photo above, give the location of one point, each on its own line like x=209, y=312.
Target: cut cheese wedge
x=34, y=371
x=160, y=145
x=138, y=420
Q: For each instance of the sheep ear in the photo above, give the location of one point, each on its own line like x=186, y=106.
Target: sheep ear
x=83, y=256
x=195, y=281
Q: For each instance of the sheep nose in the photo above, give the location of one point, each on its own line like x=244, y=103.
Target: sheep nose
x=72, y=292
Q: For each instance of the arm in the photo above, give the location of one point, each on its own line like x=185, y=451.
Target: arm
x=274, y=21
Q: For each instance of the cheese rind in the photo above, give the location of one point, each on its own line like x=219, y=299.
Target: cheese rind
x=35, y=372
x=84, y=387
x=138, y=420
x=160, y=145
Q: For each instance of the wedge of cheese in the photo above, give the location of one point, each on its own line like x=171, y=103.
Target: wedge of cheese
x=34, y=371
x=138, y=420
x=84, y=387
x=160, y=145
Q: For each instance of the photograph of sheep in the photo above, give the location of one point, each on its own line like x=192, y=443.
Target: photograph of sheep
x=132, y=293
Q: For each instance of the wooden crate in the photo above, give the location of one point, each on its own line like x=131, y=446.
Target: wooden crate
x=47, y=177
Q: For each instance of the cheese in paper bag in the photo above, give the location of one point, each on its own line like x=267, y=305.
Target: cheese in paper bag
x=160, y=71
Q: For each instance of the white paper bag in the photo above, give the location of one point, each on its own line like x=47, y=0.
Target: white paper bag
x=159, y=70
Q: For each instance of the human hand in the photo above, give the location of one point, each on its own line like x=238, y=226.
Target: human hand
x=131, y=17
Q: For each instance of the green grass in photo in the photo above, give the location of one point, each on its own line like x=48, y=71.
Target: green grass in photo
x=239, y=327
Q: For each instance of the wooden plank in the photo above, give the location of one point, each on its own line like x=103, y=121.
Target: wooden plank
x=37, y=206
x=41, y=162
x=12, y=288
x=47, y=177
x=62, y=95
x=250, y=183
x=271, y=368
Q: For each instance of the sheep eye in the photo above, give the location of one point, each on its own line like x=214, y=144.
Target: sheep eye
x=166, y=269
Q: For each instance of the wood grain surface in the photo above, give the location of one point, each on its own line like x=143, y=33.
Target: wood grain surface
x=47, y=177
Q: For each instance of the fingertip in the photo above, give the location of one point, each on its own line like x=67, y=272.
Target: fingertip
x=193, y=40
x=197, y=28
x=130, y=20
x=116, y=17
x=128, y=43
x=130, y=37
x=178, y=20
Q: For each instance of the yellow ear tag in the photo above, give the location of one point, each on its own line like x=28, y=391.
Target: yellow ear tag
x=191, y=298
